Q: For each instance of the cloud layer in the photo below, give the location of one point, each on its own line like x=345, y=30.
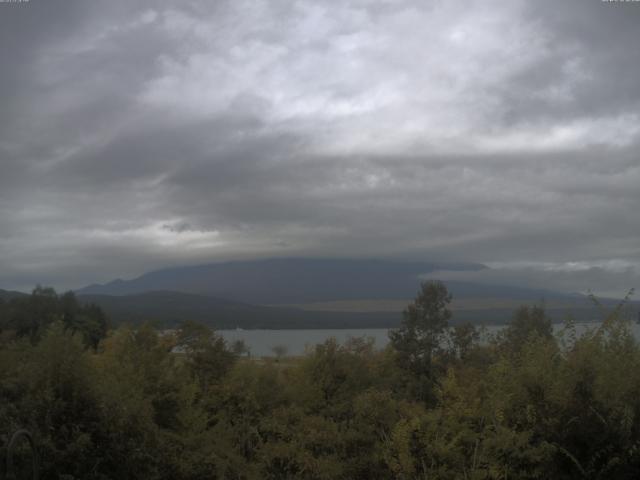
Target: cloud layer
x=136, y=135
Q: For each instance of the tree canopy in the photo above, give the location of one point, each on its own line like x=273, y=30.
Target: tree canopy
x=141, y=404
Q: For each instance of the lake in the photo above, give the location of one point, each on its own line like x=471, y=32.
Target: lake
x=261, y=342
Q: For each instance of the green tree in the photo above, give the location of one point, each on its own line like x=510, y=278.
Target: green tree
x=87, y=319
x=527, y=322
x=420, y=335
x=463, y=338
x=240, y=348
x=30, y=316
x=279, y=351
x=206, y=353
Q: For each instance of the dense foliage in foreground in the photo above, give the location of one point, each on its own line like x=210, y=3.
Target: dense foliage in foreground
x=435, y=404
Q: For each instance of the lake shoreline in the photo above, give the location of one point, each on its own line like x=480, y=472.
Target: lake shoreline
x=261, y=342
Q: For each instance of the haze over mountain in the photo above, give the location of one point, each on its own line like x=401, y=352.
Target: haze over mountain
x=300, y=280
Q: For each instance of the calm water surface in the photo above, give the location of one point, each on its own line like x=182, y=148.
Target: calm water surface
x=261, y=342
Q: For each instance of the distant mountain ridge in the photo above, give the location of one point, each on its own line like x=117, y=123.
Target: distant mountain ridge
x=289, y=293
x=288, y=280
x=309, y=293
x=8, y=294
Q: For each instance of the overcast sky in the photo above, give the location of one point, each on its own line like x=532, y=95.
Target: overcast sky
x=136, y=135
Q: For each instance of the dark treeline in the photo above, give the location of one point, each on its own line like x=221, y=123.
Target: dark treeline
x=132, y=403
x=30, y=316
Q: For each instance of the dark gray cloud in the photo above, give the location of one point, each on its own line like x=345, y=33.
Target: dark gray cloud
x=137, y=135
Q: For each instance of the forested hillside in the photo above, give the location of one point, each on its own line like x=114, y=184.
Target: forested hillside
x=132, y=403
x=168, y=309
